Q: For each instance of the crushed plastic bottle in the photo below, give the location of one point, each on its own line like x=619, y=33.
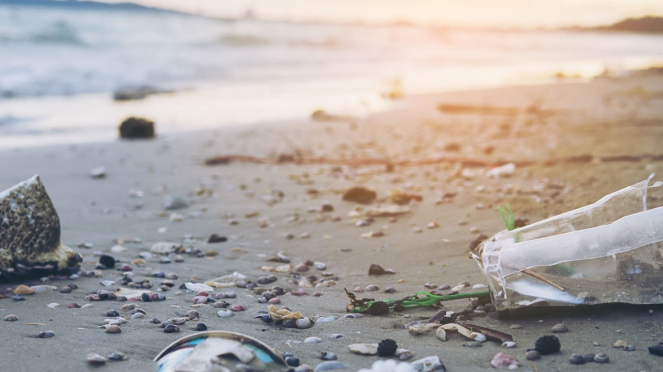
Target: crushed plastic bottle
x=607, y=252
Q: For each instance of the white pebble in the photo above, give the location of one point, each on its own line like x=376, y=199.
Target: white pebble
x=313, y=340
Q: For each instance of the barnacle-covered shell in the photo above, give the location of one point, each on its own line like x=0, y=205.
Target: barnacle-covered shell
x=30, y=231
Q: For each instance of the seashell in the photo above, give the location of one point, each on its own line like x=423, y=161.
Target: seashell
x=589, y=357
x=200, y=300
x=353, y=316
x=320, y=265
x=137, y=316
x=95, y=359
x=504, y=361
x=178, y=321
x=201, y=327
x=265, y=318
x=304, y=323
x=509, y=344
x=372, y=288
x=335, y=336
x=620, y=344
x=328, y=355
x=429, y=364
x=115, y=356
x=11, y=317
x=364, y=349
x=19, y=204
x=441, y=332
x=193, y=314
x=403, y=354
x=629, y=348
x=225, y=313
x=304, y=368
x=560, y=328
x=473, y=344
x=165, y=248
x=330, y=366
x=534, y=355
x=326, y=319
x=301, y=268
x=576, y=359
x=479, y=337
x=601, y=358
x=237, y=308
x=312, y=340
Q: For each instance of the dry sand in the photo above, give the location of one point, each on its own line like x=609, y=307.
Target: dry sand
x=602, y=118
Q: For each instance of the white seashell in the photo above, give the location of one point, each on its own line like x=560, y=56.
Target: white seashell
x=53, y=305
x=429, y=364
x=304, y=323
x=329, y=366
x=509, y=344
x=441, y=334
x=478, y=337
x=313, y=340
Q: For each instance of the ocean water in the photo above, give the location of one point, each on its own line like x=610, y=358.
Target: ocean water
x=59, y=67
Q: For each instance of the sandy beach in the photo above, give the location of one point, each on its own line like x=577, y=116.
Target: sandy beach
x=606, y=119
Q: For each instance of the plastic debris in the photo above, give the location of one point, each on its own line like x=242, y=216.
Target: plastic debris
x=605, y=252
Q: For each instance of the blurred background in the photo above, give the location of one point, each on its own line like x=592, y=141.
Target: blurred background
x=70, y=71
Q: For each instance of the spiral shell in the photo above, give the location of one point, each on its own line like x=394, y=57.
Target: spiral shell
x=304, y=323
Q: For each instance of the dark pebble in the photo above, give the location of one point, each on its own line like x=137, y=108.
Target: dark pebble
x=145, y=297
x=577, y=359
x=214, y=238
x=292, y=361
x=201, y=327
x=46, y=334
x=278, y=291
x=589, y=357
x=656, y=349
x=107, y=261
x=72, y=286
x=73, y=306
x=159, y=274
x=171, y=328
x=155, y=321
x=112, y=313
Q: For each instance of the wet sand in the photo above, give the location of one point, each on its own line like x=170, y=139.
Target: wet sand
x=603, y=119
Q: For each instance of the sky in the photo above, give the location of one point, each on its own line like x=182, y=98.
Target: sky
x=482, y=13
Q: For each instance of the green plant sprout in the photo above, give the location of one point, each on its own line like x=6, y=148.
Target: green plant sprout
x=507, y=216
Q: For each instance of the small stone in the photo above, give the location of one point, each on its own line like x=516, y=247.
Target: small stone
x=201, y=327
x=576, y=359
x=629, y=348
x=95, y=359
x=46, y=334
x=390, y=290
x=200, y=300
x=107, y=261
x=589, y=357
x=112, y=313
x=171, y=328
x=172, y=202
x=214, y=238
x=113, y=329
x=116, y=357
x=237, y=308
x=515, y=326
x=137, y=316
x=474, y=230
x=560, y=328
x=656, y=349
x=224, y=313
x=372, y=288
x=11, y=317
x=328, y=355
x=509, y=344
x=301, y=268
x=65, y=289
x=533, y=355
x=23, y=290
x=445, y=287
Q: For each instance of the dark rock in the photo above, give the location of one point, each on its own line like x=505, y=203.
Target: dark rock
x=292, y=361
x=112, y=313
x=171, y=328
x=145, y=297
x=107, y=261
x=378, y=308
x=576, y=359
x=360, y=194
x=376, y=269
x=327, y=208
x=137, y=128
x=201, y=327
x=214, y=238
x=547, y=345
x=115, y=356
x=656, y=349
x=387, y=348
x=46, y=334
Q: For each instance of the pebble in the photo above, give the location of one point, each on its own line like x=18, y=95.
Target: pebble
x=137, y=316
x=200, y=300
x=301, y=268
x=23, y=290
x=95, y=359
x=155, y=321
x=313, y=340
x=533, y=355
x=225, y=313
x=65, y=289
x=112, y=313
x=576, y=359
x=46, y=334
x=11, y=317
x=328, y=355
x=390, y=290
x=560, y=328
x=372, y=288
x=201, y=327
x=445, y=287
x=292, y=361
x=336, y=336
x=601, y=358
x=115, y=356
x=629, y=348
x=237, y=308
x=171, y=328
x=113, y=329
x=656, y=349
